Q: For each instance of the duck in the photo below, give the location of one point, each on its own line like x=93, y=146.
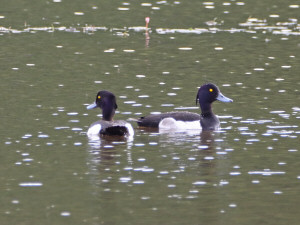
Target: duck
x=106, y=101
x=182, y=120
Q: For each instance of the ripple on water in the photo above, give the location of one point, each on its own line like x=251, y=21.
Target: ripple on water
x=232, y=205
x=171, y=94
x=167, y=105
x=125, y=179
x=143, y=169
x=76, y=129
x=138, y=182
x=223, y=182
x=199, y=183
x=123, y=8
x=77, y=143
x=129, y=50
x=65, y=213
x=43, y=135
x=185, y=48
x=26, y=136
x=30, y=184
x=61, y=128
x=266, y=172
x=110, y=50
x=167, y=172
x=129, y=102
x=143, y=96
x=253, y=140
x=72, y=113
x=235, y=173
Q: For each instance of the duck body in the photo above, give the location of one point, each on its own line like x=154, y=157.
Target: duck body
x=207, y=120
x=106, y=101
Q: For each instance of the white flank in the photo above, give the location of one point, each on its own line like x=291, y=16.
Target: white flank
x=94, y=130
x=172, y=124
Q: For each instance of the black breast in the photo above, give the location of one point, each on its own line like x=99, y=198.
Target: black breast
x=115, y=131
x=153, y=120
x=209, y=122
x=113, y=128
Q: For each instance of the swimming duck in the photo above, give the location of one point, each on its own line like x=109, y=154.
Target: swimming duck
x=207, y=94
x=106, y=101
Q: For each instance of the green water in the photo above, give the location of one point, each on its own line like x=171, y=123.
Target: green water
x=55, y=56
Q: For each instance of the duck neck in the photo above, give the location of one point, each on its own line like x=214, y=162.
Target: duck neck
x=108, y=113
x=206, y=109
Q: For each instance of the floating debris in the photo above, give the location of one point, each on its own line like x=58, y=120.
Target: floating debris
x=251, y=25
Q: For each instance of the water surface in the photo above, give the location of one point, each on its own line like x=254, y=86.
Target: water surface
x=56, y=55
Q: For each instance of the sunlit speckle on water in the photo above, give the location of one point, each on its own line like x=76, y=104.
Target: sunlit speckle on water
x=30, y=184
x=65, y=213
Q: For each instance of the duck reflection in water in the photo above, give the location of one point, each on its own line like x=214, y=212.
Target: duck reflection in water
x=147, y=36
x=207, y=149
x=104, y=151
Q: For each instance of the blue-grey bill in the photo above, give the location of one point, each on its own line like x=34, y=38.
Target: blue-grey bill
x=223, y=98
x=91, y=106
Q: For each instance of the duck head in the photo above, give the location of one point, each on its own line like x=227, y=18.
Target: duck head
x=106, y=101
x=207, y=94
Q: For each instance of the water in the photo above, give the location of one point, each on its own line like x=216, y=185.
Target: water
x=56, y=56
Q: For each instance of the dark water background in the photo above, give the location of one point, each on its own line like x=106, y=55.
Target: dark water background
x=56, y=55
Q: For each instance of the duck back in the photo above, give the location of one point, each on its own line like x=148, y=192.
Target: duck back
x=154, y=120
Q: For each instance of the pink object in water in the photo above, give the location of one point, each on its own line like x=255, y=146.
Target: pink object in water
x=147, y=19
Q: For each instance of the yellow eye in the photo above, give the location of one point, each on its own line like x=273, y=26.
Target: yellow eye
x=211, y=90
x=99, y=96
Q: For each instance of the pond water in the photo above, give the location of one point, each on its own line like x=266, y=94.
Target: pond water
x=56, y=55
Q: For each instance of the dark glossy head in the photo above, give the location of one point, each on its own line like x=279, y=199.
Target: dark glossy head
x=106, y=101
x=207, y=94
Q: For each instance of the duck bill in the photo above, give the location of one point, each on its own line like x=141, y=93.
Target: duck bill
x=223, y=98
x=92, y=106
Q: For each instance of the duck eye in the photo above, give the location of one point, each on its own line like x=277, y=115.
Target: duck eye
x=99, y=96
x=211, y=90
